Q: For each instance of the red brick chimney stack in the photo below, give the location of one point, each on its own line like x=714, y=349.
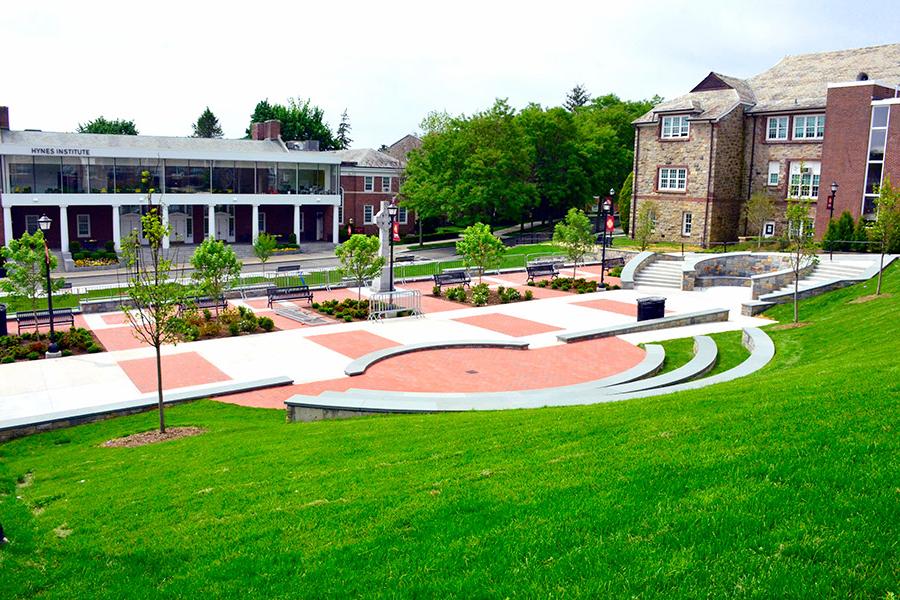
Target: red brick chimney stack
x=270, y=130
x=4, y=117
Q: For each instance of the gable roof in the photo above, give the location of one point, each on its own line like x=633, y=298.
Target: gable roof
x=402, y=147
x=367, y=157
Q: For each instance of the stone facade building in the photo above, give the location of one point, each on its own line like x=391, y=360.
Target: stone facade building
x=788, y=132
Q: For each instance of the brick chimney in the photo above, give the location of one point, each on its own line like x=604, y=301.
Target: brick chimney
x=270, y=130
x=4, y=117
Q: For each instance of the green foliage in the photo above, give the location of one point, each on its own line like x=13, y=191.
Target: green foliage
x=457, y=294
x=644, y=227
x=216, y=266
x=300, y=120
x=343, y=140
x=108, y=126
x=569, y=284
x=25, y=262
x=264, y=246
x=435, y=290
x=207, y=125
x=21, y=347
x=480, y=248
x=886, y=229
x=359, y=258
x=801, y=242
x=508, y=294
x=624, y=202
x=576, y=98
x=480, y=294
x=346, y=309
x=840, y=233
x=575, y=236
x=759, y=208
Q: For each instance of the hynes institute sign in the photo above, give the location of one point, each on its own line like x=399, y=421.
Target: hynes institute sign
x=61, y=151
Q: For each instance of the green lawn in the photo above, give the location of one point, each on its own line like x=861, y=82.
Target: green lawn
x=680, y=351
x=781, y=485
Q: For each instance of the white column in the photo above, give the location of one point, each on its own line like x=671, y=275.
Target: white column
x=335, y=226
x=64, y=228
x=297, y=223
x=7, y=225
x=117, y=233
x=211, y=234
x=165, y=223
x=254, y=227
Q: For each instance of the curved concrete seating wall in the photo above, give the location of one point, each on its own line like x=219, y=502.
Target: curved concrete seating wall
x=733, y=268
x=359, y=366
x=632, y=267
x=769, y=282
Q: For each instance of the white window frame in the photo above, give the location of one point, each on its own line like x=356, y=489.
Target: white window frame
x=261, y=221
x=340, y=210
x=673, y=179
x=801, y=125
x=31, y=224
x=774, y=169
x=687, y=223
x=402, y=215
x=782, y=128
x=804, y=184
x=675, y=127
x=82, y=219
x=368, y=214
x=769, y=229
x=368, y=183
x=386, y=180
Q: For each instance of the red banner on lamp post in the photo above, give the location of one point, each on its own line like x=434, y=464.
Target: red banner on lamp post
x=396, y=231
x=610, y=223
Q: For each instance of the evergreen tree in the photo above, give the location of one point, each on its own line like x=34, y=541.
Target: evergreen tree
x=625, y=202
x=343, y=140
x=576, y=98
x=207, y=125
x=109, y=126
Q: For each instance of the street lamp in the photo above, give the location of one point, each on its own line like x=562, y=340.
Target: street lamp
x=44, y=223
x=607, y=214
x=830, y=203
x=393, y=210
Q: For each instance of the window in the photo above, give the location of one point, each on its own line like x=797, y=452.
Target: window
x=401, y=215
x=687, y=223
x=804, y=180
x=673, y=179
x=798, y=228
x=84, y=225
x=102, y=178
x=369, y=184
x=875, y=166
x=675, y=127
x=368, y=214
x=21, y=174
x=31, y=223
x=385, y=184
x=777, y=128
x=769, y=229
x=809, y=127
x=340, y=210
x=261, y=221
x=774, y=168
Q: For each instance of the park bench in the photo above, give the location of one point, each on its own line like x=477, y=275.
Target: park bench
x=288, y=269
x=457, y=277
x=37, y=318
x=613, y=262
x=201, y=302
x=294, y=292
x=542, y=269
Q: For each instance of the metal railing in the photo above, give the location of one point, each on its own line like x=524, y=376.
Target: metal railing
x=399, y=303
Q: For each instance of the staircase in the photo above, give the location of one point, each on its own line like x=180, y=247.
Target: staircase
x=660, y=274
x=825, y=272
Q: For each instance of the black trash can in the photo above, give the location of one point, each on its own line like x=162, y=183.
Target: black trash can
x=653, y=307
x=3, y=329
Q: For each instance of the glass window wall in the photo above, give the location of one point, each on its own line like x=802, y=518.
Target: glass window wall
x=265, y=178
x=177, y=177
x=287, y=178
x=74, y=175
x=102, y=175
x=199, y=176
x=128, y=176
x=47, y=175
x=244, y=177
x=223, y=177
x=153, y=166
x=21, y=174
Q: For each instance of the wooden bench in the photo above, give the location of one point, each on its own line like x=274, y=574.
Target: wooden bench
x=294, y=292
x=613, y=262
x=460, y=277
x=36, y=318
x=201, y=302
x=542, y=270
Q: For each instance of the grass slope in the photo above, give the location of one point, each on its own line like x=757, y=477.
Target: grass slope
x=780, y=485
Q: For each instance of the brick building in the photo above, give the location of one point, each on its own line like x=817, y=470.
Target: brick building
x=790, y=131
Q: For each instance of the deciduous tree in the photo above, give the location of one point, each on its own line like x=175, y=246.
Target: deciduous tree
x=645, y=226
x=624, y=202
x=264, y=246
x=113, y=126
x=480, y=248
x=300, y=120
x=801, y=243
x=216, y=266
x=575, y=236
x=886, y=229
x=26, y=268
x=359, y=259
x=759, y=209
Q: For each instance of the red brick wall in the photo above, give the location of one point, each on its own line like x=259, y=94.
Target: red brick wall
x=845, y=149
x=101, y=224
x=18, y=218
x=355, y=199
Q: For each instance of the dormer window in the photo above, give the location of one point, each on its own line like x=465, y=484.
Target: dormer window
x=675, y=127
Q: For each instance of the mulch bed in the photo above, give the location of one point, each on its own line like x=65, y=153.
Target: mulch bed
x=869, y=298
x=783, y=326
x=153, y=437
x=493, y=298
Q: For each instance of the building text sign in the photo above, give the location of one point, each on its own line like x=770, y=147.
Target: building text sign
x=50, y=151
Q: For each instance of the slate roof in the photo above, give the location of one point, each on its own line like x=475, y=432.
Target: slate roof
x=367, y=157
x=795, y=83
x=402, y=147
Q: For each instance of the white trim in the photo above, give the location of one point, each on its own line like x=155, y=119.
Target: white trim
x=368, y=183
x=293, y=156
x=843, y=84
x=687, y=223
x=806, y=118
x=787, y=128
x=886, y=101
x=776, y=172
x=192, y=199
x=684, y=129
x=766, y=226
x=78, y=222
x=402, y=215
x=670, y=178
x=371, y=219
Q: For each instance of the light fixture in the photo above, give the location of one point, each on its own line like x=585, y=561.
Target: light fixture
x=44, y=223
x=393, y=209
x=834, y=187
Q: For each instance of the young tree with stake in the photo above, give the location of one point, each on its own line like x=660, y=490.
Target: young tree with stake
x=886, y=230
x=758, y=210
x=26, y=268
x=801, y=243
x=359, y=259
x=215, y=267
x=480, y=248
x=644, y=226
x=575, y=236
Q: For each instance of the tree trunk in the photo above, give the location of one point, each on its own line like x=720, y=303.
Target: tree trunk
x=159, y=390
x=796, y=292
x=880, y=270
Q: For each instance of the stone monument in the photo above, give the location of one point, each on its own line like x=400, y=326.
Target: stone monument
x=382, y=283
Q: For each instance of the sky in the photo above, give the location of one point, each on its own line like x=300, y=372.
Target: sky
x=389, y=63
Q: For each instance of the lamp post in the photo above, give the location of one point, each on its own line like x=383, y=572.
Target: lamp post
x=44, y=223
x=830, y=204
x=607, y=213
x=393, y=210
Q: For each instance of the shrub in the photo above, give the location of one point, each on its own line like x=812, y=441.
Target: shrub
x=436, y=291
x=210, y=328
x=66, y=352
x=93, y=348
x=529, y=295
x=234, y=328
x=315, y=306
x=266, y=323
x=7, y=359
x=348, y=318
x=207, y=315
x=110, y=246
x=615, y=272
x=37, y=347
x=33, y=356
x=508, y=295
x=480, y=294
x=74, y=248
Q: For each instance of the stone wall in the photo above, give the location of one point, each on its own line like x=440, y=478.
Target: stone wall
x=726, y=204
x=731, y=269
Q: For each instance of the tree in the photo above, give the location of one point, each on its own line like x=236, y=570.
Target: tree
x=112, y=126
x=264, y=246
x=359, y=258
x=300, y=120
x=215, y=267
x=758, y=209
x=207, y=125
x=576, y=98
x=575, y=236
x=436, y=121
x=342, y=139
x=154, y=293
x=886, y=230
x=839, y=235
x=801, y=243
x=26, y=268
x=645, y=226
x=625, y=202
x=480, y=248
